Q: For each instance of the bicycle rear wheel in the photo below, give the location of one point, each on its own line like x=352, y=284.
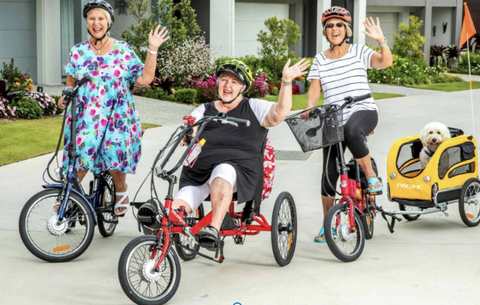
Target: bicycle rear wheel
x=49, y=240
x=139, y=280
x=107, y=223
x=347, y=246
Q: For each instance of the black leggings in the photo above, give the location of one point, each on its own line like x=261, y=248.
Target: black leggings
x=359, y=125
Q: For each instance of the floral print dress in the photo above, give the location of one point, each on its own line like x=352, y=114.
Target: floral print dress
x=105, y=109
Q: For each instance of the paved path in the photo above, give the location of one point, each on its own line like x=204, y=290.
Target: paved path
x=432, y=260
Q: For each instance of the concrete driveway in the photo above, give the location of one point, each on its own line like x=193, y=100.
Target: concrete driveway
x=433, y=260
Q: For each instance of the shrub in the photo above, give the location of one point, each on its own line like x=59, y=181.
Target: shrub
x=409, y=40
x=186, y=59
x=172, y=98
x=186, y=95
x=463, y=64
x=7, y=111
x=45, y=102
x=270, y=87
x=276, y=40
x=27, y=108
x=275, y=91
x=155, y=93
x=405, y=71
x=452, y=51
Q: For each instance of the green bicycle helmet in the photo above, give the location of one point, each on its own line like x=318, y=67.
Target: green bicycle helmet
x=239, y=69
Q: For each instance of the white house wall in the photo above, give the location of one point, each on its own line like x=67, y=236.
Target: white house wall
x=250, y=19
x=18, y=35
x=440, y=16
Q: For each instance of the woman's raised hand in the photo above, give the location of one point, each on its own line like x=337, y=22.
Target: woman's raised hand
x=298, y=69
x=373, y=30
x=157, y=38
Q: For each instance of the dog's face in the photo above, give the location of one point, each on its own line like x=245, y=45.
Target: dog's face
x=433, y=134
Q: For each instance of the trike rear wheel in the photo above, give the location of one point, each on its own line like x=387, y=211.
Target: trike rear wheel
x=50, y=240
x=284, y=228
x=469, y=205
x=139, y=280
x=347, y=246
x=187, y=241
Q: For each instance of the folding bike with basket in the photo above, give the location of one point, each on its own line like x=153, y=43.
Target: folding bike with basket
x=450, y=176
x=149, y=269
x=349, y=222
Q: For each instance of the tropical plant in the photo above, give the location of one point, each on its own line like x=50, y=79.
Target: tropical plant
x=453, y=51
x=259, y=86
x=437, y=55
x=409, y=41
x=279, y=36
x=47, y=103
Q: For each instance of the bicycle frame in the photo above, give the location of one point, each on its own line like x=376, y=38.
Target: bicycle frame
x=172, y=222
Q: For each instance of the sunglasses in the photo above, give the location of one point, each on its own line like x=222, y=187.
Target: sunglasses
x=332, y=25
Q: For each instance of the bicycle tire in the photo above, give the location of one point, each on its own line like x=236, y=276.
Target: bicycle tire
x=284, y=229
x=144, y=244
x=341, y=233
x=84, y=218
x=105, y=228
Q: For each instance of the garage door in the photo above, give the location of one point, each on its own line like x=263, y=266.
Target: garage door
x=18, y=35
x=249, y=20
x=389, y=24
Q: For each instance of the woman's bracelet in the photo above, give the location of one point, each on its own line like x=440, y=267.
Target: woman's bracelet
x=285, y=83
x=152, y=52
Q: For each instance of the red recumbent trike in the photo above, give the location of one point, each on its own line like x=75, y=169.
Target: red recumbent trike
x=149, y=270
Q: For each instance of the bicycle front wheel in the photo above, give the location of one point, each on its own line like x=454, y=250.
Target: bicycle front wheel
x=347, y=245
x=139, y=279
x=50, y=240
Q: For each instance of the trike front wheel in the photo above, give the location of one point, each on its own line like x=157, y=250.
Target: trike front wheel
x=51, y=240
x=284, y=228
x=347, y=245
x=469, y=205
x=139, y=279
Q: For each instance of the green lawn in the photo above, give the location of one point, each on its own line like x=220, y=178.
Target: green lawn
x=299, y=102
x=448, y=87
x=24, y=139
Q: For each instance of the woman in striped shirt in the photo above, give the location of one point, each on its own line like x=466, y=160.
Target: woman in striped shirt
x=339, y=72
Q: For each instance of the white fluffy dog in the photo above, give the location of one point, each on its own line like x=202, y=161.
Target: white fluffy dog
x=432, y=135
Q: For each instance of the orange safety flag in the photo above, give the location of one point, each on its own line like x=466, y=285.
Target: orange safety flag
x=467, y=27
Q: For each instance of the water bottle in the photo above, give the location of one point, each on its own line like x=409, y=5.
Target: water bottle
x=193, y=154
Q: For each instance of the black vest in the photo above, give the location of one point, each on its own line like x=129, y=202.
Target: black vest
x=241, y=146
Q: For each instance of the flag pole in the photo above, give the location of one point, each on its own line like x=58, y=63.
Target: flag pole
x=471, y=89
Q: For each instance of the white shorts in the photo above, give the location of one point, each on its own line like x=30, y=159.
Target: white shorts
x=195, y=195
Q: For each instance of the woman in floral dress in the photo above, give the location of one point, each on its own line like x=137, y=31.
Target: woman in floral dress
x=105, y=107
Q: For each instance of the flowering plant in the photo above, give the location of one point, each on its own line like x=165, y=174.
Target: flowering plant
x=206, y=89
x=47, y=103
x=6, y=110
x=259, y=86
x=190, y=57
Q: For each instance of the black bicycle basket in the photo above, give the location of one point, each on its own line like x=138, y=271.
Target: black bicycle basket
x=321, y=129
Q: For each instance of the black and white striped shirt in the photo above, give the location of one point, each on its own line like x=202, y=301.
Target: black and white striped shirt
x=343, y=77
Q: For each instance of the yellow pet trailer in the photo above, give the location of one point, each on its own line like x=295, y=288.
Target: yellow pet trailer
x=450, y=176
